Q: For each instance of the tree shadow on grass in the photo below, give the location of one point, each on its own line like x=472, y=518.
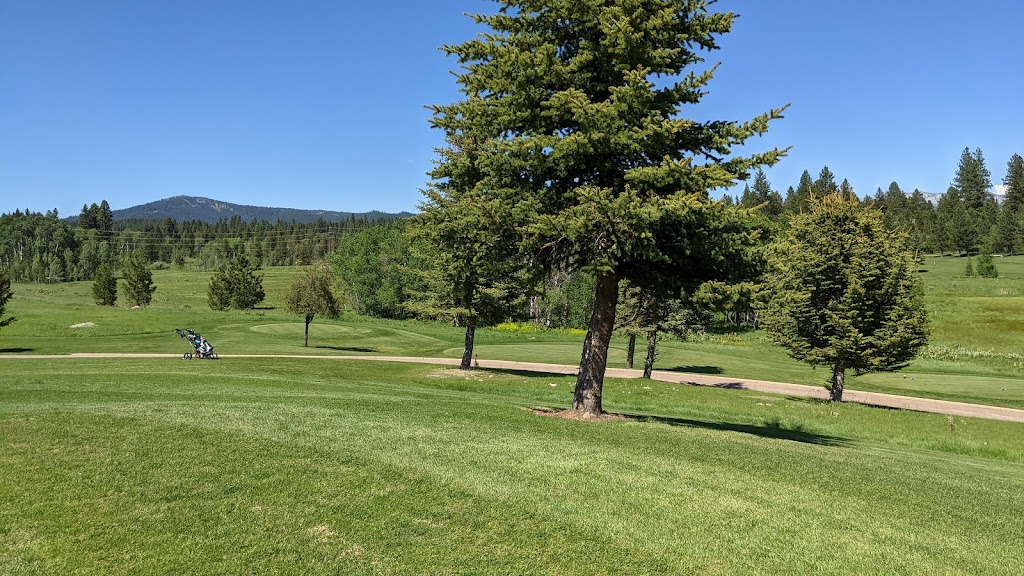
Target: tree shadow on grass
x=526, y=373
x=346, y=348
x=16, y=350
x=696, y=369
x=773, y=428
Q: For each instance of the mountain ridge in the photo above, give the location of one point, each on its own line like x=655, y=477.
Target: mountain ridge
x=187, y=208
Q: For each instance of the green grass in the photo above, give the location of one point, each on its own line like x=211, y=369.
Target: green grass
x=976, y=351
x=345, y=467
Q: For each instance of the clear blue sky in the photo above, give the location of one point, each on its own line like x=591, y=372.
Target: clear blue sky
x=320, y=104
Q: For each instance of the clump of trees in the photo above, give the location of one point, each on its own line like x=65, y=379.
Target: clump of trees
x=846, y=292
x=311, y=294
x=236, y=285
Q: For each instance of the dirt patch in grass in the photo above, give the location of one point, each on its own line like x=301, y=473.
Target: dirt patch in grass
x=84, y=325
x=573, y=415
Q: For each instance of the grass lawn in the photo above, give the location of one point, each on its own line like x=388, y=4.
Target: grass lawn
x=974, y=353
x=136, y=466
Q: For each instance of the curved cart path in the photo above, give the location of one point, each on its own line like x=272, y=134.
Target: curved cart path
x=869, y=398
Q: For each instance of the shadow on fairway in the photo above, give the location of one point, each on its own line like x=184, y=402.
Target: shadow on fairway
x=16, y=350
x=346, y=348
x=696, y=369
x=770, y=429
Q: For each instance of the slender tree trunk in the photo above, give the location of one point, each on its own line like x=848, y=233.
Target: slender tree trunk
x=652, y=346
x=309, y=318
x=589, y=383
x=467, y=352
x=630, y=351
x=838, y=381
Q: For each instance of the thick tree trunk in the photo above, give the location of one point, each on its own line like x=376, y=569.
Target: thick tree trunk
x=467, y=352
x=652, y=346
x=589, y=383
x=630, y=351
x=838, y=381
x=309, y=318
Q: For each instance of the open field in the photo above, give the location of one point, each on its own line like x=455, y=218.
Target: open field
x=974, y=356
x=326, y=466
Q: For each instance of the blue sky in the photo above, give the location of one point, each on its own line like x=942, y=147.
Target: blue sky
x=320, y=104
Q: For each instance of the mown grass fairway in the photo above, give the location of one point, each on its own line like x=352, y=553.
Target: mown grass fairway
x=975, y=352
x=135, y=466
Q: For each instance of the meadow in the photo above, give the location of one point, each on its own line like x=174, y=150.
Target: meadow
x=335, y=466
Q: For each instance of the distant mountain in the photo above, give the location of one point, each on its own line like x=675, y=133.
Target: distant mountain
x=185, y=208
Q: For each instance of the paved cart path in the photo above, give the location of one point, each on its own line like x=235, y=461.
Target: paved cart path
x=869, y=398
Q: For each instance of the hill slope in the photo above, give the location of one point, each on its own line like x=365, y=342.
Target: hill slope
x=184, y=208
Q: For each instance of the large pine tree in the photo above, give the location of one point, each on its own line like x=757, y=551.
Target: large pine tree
x=582, y=106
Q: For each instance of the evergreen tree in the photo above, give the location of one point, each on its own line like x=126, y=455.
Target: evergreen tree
x=969, y=269
x=5, y=296
x=763, y=195
x=646, y=313
x=311, y=294
x=973, y=179
x=596, y=156
x=236, y=285
x=1014, y=182
x=138, y=281
x=104, y=285
x=986, y=266
x=847, y=294
x=825, y=184
x=471, y=238
x=798, y=199
x=846, y=192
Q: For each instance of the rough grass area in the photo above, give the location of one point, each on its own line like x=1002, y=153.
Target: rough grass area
x=333, y=467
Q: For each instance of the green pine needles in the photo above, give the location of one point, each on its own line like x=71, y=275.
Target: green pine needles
x=846, y=292
x=573, y=116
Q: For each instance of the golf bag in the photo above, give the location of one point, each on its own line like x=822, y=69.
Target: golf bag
x=202, y=349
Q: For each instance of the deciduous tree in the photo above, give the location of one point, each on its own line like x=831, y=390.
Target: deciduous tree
x=311, y=294
x=847, y=295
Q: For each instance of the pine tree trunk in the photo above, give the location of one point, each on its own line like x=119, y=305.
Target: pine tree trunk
x=467, y=352
x=630, y=351
x=589, y=383
x=309, y=318
x=652, y=346
x=838, y=381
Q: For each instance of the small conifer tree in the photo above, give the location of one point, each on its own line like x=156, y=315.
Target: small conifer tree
x=104, y=285
x=5, y=297
x=138, y=279
x=987, y=267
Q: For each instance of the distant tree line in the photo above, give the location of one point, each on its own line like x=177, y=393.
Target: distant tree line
x=41, y=247
x=967, y=219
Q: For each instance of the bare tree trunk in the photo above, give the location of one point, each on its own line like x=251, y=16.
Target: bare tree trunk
x=652, y=346
x=838, y=380
x=467, y=353
x=630, y=351
x=309, y=318
x=589, y=383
